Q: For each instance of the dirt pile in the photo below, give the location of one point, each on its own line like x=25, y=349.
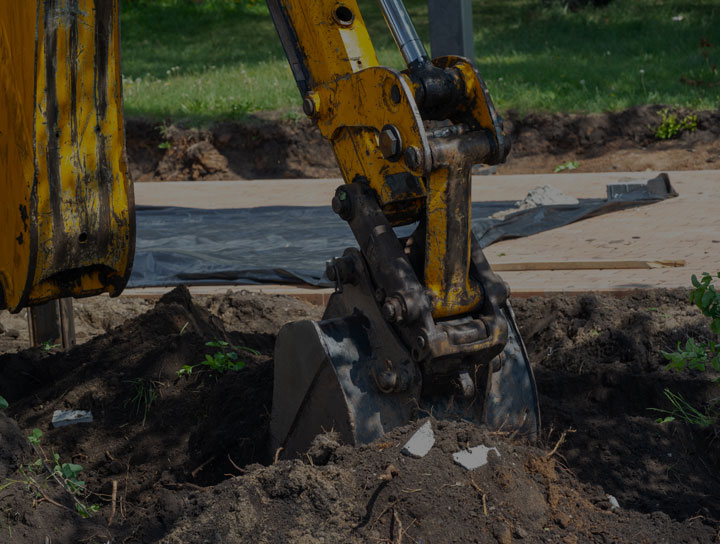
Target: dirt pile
x=268, y=147
x=193, y=465
x=375, y=494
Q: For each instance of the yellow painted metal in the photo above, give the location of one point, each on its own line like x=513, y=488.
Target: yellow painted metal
x=455, y=293
x=67, y=217
x=351, y=93
x=353, y=109
x=332, y=38
x=353, y=99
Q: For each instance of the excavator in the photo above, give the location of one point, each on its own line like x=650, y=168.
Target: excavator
x=419, y=325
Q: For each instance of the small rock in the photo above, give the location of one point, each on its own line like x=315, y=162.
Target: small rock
x=613, y=502
x=502, y=533
x=520, y=532
x=61, y=418
x=421, y=442
x=562, y=519
x=13, y=333
x=474, y=457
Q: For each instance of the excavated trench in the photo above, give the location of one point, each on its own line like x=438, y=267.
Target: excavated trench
x=194, y=462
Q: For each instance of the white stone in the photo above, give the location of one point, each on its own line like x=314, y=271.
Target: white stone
x=474, y=457
x=421, y=442
x=61, y=418
x=613, y=502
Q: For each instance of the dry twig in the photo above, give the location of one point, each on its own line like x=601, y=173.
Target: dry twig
x=113, y=503
x=558, y=443
x=194, y=473
x=398, y=528
x=240, y=470
x=484, y=495
x=277, y=455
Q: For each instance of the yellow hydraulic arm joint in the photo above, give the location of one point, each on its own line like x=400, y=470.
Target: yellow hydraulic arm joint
x=374, y=118
x=66, y=203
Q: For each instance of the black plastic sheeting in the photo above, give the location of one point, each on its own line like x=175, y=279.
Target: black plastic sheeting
x=291, y=244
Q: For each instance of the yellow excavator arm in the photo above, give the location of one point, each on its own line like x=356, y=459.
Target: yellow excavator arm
x=418, y=324
x=66, y=204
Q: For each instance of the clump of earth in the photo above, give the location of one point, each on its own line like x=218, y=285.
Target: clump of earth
x=193, y=465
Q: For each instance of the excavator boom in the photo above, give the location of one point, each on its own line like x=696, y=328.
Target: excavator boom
x=419, y=324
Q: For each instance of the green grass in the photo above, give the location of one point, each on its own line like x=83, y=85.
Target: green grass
x=221, y=59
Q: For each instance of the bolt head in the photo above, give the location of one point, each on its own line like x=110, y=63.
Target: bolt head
x=308, y=106
x=387, y=381
x=413, y=158
x=388, y=311
x=390, y=142
x=379, y=294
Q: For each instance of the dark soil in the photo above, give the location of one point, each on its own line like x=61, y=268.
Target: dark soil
x=196, y=466
x=268, y=147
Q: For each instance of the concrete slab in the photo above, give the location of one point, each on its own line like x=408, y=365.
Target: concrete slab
x=473, y=458
x=421, y=442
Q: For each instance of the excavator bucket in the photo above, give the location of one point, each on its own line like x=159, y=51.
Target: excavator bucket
x=351, y=374
x=66, y=210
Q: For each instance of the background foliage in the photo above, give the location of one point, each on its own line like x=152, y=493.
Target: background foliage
x=204, y=60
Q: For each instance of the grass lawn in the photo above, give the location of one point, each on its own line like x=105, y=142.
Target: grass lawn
x=221, y=59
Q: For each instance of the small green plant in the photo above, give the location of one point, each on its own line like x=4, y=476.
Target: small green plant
x=36, y=475
x=164, y=145
x=694, y=354
x=146, y=393
x=3, y=403
x=697, y=355
x=47, y=345
x=35, y=437
x=683, y=410
x=671, y=125
x=569, y=165
x=223, y=360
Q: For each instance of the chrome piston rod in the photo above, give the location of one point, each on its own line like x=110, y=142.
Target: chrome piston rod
x=403, y=31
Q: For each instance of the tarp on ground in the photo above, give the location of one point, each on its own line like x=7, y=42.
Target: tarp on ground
x=291, y=244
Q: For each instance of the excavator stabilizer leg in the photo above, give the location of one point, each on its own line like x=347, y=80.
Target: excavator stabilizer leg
x=66, y=208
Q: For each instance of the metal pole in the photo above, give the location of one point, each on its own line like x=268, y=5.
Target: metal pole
x=451, y=28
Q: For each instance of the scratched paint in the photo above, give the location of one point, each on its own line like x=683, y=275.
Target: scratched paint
x=78, y=199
